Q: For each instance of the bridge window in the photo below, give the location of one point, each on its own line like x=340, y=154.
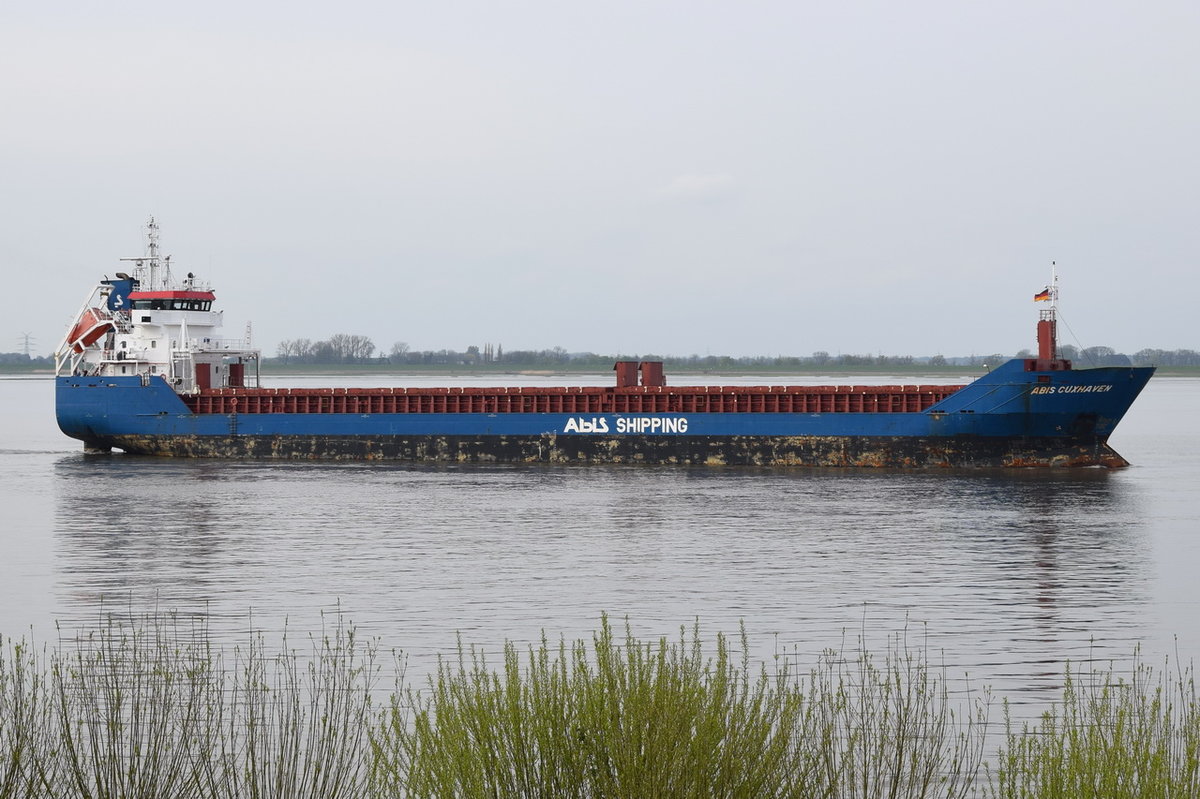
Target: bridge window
x=171, y=305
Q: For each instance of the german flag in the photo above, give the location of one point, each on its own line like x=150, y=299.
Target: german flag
x=1042, y=295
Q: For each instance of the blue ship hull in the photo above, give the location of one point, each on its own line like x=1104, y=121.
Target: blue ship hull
x=1009, y=417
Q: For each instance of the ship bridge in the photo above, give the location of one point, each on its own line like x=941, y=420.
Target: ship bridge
x=171, y=300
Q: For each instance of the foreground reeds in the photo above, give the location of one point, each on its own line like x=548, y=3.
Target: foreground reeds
x=150, y=708
x=1112, y=737
x=626, y=718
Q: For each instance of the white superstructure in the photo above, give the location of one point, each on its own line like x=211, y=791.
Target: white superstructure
x=150, y=324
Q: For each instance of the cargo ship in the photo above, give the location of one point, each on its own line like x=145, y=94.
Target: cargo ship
x=143, y=369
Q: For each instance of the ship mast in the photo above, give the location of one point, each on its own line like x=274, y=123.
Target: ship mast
x=1047, y=328
x=151, y=262
x=152, y=239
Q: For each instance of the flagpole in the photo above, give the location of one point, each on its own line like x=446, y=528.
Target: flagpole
x=1053, y=314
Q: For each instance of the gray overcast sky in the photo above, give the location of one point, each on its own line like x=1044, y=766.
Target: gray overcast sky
x=677, y=178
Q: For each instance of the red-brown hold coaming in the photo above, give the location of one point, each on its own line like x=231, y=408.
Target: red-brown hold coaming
x=593, y=400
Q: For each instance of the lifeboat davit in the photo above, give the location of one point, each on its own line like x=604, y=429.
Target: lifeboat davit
x=88, y=329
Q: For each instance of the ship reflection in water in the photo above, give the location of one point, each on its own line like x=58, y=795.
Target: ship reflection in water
x=1002, y=575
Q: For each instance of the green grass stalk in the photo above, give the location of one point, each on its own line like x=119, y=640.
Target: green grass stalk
x=25, y=720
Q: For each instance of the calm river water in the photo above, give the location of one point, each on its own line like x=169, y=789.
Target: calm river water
x=1004, y=575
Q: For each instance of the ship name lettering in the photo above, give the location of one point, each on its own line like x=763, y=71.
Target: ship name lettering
x=627, y=424
x=652, y=424
x=1099, y=388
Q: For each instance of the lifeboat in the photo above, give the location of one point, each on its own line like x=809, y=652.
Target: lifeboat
x=91, y=325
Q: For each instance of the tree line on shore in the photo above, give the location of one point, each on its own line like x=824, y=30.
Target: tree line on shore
x=348, y=349
x=354, y=349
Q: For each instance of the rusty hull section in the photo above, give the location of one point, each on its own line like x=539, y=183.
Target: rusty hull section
x=801, y=451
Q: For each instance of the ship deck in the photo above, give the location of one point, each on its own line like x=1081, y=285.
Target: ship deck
x=525, y=399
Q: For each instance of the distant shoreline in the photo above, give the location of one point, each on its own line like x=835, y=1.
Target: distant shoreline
x=417, y=370
x=448, y=370
x=451, y=370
